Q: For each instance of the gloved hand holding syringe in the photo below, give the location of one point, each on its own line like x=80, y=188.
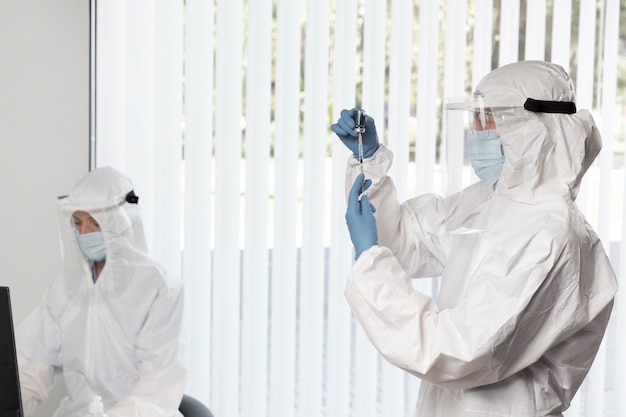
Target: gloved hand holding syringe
x=357, y=131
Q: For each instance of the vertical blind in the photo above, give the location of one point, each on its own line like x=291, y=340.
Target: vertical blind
x=219, y=110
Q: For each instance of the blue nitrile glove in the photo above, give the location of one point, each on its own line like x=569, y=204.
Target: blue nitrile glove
x=344, y=128
x=360, y=217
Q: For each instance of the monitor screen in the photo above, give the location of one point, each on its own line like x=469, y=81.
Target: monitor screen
x=10, y=395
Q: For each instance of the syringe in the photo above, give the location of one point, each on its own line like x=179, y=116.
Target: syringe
x=359, y=127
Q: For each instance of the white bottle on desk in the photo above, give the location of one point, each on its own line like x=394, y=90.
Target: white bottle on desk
x=96, y=408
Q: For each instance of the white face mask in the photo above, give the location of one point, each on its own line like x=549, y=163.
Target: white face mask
x=485, y=154
x=92, y=245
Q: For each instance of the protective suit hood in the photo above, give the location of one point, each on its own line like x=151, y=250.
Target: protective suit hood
x=547, y=149
x=108, y=196
x=513, y=84
x=101, y=188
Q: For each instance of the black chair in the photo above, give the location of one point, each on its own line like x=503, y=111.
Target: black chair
x=191, y=407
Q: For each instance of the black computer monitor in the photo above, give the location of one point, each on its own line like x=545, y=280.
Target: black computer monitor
x=10, y=394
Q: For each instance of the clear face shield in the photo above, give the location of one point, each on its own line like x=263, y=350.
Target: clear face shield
x=474, y=158
x=94, y=227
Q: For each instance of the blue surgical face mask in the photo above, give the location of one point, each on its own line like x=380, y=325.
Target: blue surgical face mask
x=92, y=245
x=485, y=154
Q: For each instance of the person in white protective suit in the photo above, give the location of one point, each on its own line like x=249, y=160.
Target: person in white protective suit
x=112, y=321
x=526, y=287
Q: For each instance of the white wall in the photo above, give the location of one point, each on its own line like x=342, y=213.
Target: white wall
x=44, y=131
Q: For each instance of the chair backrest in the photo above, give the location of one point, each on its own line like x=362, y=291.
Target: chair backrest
x=191, y=407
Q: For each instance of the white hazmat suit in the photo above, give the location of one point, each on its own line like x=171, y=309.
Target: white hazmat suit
x=524, y=302
x=119, y=337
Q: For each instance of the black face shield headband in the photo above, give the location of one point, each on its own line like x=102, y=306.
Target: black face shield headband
x=130, y=198
x=545, y=106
